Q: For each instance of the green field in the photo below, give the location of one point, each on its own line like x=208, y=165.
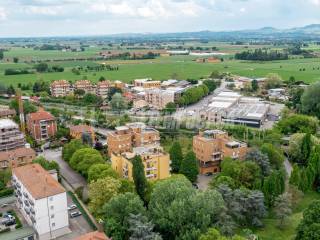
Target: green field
x=162, y=68
x=271, y=231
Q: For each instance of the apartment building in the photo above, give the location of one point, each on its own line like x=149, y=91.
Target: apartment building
x=78, y=130
x=102, y=89
x=93, y=236
x=125, y=138
x=41, y=200
x=10, y=135
x=159, y=98
x=118, y=84
x=146, y=83
x=156, y=162
x=16, y=157
x=41, y=125
x=6, y=112
x=60, y=88
x=84, y=85
x=211, y=146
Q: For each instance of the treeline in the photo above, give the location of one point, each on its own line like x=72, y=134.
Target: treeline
x=261, y=55
x=193, y=95
x=11, y=71
x=41, y=67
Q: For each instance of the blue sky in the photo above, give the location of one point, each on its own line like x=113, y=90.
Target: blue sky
x=98, y=17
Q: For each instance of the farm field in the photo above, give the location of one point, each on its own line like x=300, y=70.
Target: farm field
x=161, y=68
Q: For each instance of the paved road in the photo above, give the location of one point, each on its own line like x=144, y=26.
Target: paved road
x=73, y=178
x=288, y=167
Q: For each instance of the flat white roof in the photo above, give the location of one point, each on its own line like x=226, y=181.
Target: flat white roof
x=228, y=94
x=7, y=123
x=223, y=99
x=121, y=128
x=220, y=104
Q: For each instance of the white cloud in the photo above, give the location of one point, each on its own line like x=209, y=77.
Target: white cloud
x=242, y=9
x=50, y=11
x=3, y=14
x=316, y=2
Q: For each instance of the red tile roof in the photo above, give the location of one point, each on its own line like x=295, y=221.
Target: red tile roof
x=41, y=115
x=39, y=183
x=81, y=128
x=16, y=153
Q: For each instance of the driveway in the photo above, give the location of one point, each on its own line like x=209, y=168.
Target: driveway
x=71, y=176
x=203, y=181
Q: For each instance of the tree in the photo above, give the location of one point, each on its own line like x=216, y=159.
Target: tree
x=101, y=191
x=254, y=85
x=176, y=156
x=141, y=228
x=220, y=179
x=117, y=214
x=261, y=159
x=298, y=123
x=282, y=208
x=90, y=98
x=273, y=185
x=1, y=54
x=15, y=60
x=276, y=157
x=11, y=90
x=27, y=106
x=84, y=158
x=273, y=80
x=309, y=227
x=245, y=206
x=189, y=166
x=112, y=91
x=181, y=212
x=42, y=67
x=310, y=100
x=100, y=170
x=211, y=84
x=214, y=234
x=170, y=108
x=215, y=75
x=86, y=138
x=79, y=92
x=118, y=103
x=306, y=147
x=47, y=165
x=139, y=177
x=70, y=148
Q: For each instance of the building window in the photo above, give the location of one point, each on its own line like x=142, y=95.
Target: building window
x=51, y=207
x=53, y=224
x=51, y=198
x=52, y=216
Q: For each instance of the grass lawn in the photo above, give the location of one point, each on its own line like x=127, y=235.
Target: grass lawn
x=272, y=232
x=162, y=68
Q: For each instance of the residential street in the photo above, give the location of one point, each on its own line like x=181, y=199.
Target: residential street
x=72, y=177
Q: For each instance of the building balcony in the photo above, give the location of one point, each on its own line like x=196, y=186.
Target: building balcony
x=26, y=195
x=26, y=202
x=31, y=202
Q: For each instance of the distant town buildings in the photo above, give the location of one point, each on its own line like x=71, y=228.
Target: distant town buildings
x=16, y=157
x=124, y=138
x=156, y=162
x=78, y=130
x=41, y=200
x=159, y=98
x=60, y=88
x=41, y=125
x=10, y=135
x=211, y=146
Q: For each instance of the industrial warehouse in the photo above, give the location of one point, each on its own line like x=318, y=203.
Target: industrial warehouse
x=231, y=107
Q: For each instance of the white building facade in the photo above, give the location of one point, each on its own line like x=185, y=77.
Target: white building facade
x=42, y=201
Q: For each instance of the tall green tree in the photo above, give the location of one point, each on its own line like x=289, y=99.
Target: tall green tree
x=189, y=166
x=101, y=170
x=70, y=148
x=310, y=100
x=141, y=228
x=176, y=156
x=309, y=227
x=254, y=85
x=139, y=177
x=306, y=147
x=117, y=214
x=283, y=208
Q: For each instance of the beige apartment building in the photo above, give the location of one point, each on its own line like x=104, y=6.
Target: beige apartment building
x=10, y=135
x=156, y=163
x=60, y=88
x=147, y=83
x=159, y=98
x=84, y=85
x=16, y=157
x=211, y=146
x=102, y=89
x=125, y=138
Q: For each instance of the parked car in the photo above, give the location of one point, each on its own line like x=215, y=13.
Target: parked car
x=10, y=222
x=71, y=207
x=75, y=214
x=209, y=174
